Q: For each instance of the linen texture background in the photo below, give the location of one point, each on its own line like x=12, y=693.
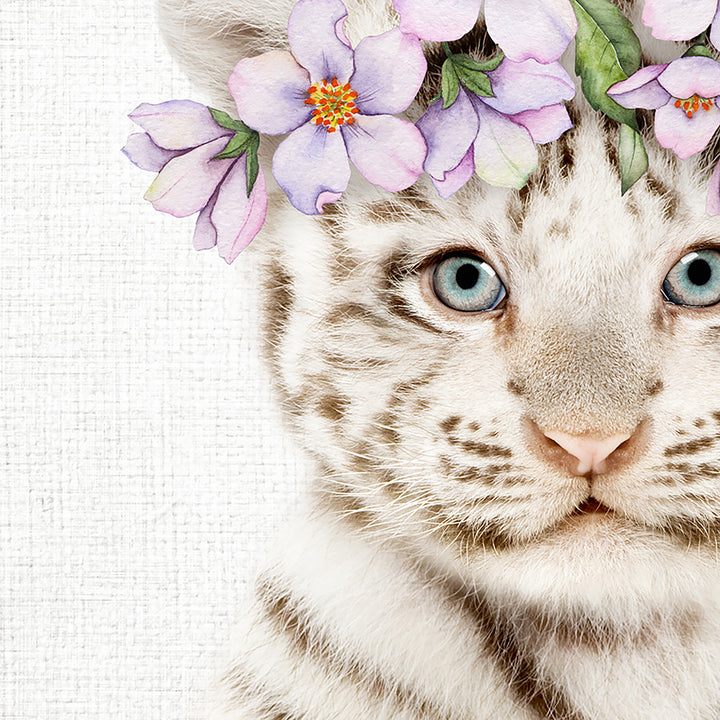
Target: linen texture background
x=143, y=466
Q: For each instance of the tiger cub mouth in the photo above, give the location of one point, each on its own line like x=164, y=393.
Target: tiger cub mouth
x=591, y=507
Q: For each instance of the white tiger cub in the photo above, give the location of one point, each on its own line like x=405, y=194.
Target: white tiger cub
x=516, y=512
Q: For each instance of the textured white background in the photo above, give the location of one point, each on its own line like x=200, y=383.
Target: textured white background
x=142, y=463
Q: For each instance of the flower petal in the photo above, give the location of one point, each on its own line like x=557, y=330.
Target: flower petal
x=683, y=135
x=205, y=235
x=715, y=29
x=309, y=163
x=389, y=70
x=177, y=124
x=388, y=151
x=678, y=19
x=269, y=91
x=144, y=153
x=448, y=133
x=315, y=41
x=688, y=76
x=524, y=29
x=188, y=181
x=528, y=85
x=437, y=20
x=457, y=177
x=712, y=203
x=237, y=217
x=641, y=89
x=546, y=124
x=505, y=154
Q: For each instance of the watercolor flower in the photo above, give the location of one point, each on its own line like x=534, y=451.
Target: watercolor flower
x=524, y=29
x=683, y=94
x=337, y=103
x=682, y=19
x=181, y=142
x=495, y=137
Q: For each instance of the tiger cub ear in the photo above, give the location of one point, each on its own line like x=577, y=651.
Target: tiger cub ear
x=208, y=37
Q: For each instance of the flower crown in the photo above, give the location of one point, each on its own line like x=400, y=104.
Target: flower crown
x=338, y=104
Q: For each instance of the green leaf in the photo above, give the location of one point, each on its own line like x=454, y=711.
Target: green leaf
x=476, y=82
x=471, y=74
x=698, y=51
x=450, y=83
x=606, y=52
x=235, y=147
x=633, y=157
x=223, y=119
x=252, y=166
x=467, y=62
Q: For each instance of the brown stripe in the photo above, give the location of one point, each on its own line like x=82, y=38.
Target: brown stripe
x=486, y=475
x=398, y=306
x=692, y=472
x=692, y=447
x=496, y=633
x=333, y=406
x=293, y=620
x=346, y=312
x=693, y=532
x=470, y=539
x=667, y=195
x=343, y=362
x=414, y=198
x=247, y=692
x=384, y=211
x=481, y=449
x=279, y=299
x=450, y=423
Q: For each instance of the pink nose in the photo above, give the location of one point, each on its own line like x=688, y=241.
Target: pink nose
x=590, y=452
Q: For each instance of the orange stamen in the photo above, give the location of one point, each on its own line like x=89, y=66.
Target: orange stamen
x=334, y=106
x=692, y=104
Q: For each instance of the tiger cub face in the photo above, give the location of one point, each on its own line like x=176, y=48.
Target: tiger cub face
x=499, y=379
x=509, y=383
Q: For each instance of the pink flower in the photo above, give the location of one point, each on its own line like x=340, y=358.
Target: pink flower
x=524, y=29
x=495, y=136
x=336, y=103
x=682, y=19
x=683, y=94
x=180, y=142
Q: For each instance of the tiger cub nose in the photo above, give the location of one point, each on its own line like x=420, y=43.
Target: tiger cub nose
x=590, y=452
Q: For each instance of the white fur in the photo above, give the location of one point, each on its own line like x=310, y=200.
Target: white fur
x=394, y=526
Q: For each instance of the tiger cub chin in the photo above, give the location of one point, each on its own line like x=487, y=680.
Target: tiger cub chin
x=515, y=513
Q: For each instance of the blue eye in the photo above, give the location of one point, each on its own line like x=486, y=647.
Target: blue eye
x=695, y=280
x=467, y=284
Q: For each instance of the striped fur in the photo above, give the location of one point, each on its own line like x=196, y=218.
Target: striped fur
x=438, y=571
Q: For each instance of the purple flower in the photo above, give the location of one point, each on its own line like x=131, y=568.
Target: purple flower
x=683, y=94
x=180, y=142
x=524, y=29
x=682, y=19
x=495, y=136
x=335, y=102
